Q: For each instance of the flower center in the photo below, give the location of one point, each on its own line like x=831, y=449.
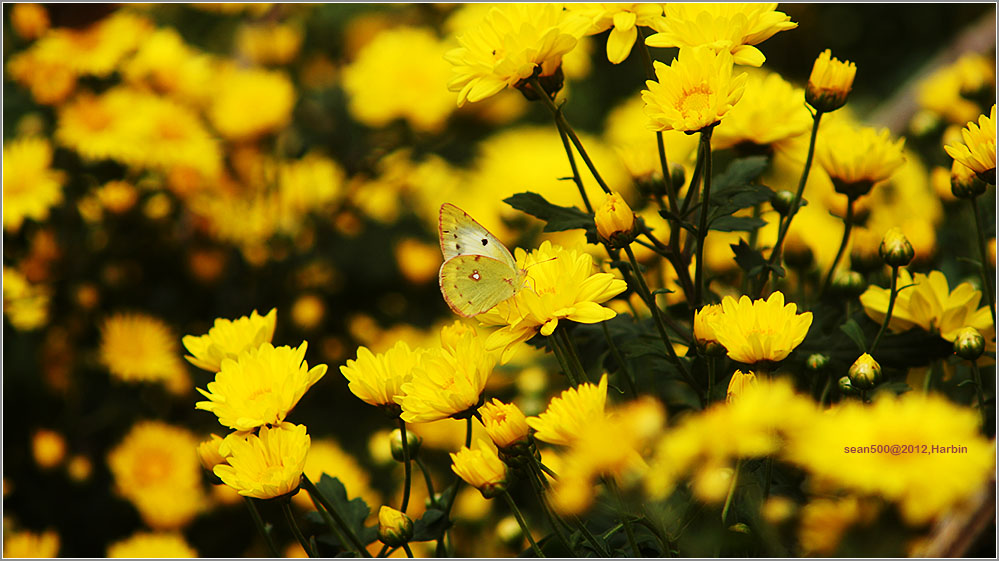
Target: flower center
x=153, y=468
x=695, y=101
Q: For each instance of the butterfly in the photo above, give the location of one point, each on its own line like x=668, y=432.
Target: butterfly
x=478, y=271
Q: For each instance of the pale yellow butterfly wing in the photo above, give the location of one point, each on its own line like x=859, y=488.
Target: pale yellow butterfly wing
x=460, y=234
x=473, y=284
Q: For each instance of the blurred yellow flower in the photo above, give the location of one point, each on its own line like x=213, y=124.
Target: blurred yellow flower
x=168, y=65
x=138, y=347
x=417, y=261
x=858, y=158
x=30, y=544
x=694, y=92
x=561, y=285
x=626, y=133
x=950, y=460
x=378, y=379
x=738, y=384
x=268, y=43
x=929, y=305
x=30, y=21
x=481, y=468
x=30, y=186
x=152, y=545
x=504, y=422
x=25, y=305
x=250, y=102
x=730, y=28
x=770, y=111
x=704, y=331
x=512, y=43
x=260, y=387
x=942, y=91
x=623, y=21
x=374, y=95
x=978, y=151
x=228, y=338
x=326, y=456
x=570, y=414
x=267, y=465
x=48, y=448
x=50, y=81
x=830, y=82
x=823, y=523
x=156, y=467
x=448, y=382
x=754, y=331
x=95, y=50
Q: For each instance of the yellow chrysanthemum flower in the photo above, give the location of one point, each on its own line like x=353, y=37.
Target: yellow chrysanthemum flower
x=824, y=521
x=267, y=465
x=570, y=414
x=930, y=305
x=157, y=469
x=623, y=21
x=48, y=448
x=858, y=158
x=25, y=305
x=152, y=545
x=625, y=131
x=481, y=468
x=561, y=285
x=30, y=21
x=250, y=102
x=738, y=384
x=730, y=28
x=50, y=81
x=978, y=151
x=504, y=422
x=941, y=92
x=375, y=97
x=448, y=381
x=30, y=186
x=138, y=347
x=229, y=338
x=326, y=456
x=95, y=50
x=169, y=66
x=770, y=111
x=694, y=92
x=377, y=379
x=260, y=387
x=30, y=544
x=208, y=452
x=704, y=331
x=761, y=330
x=512, y=43
x=269, y=43
x=949, y=460
x=830, y=82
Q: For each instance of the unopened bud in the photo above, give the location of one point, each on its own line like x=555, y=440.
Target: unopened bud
x=509, y=532
x=738, y=384
x=394, y=527
x=964, y=182
x=413, y=440
x=704, y=331
x=895, y=248
x=865, y=372
x=830, y=82
x=849, y=283
x=782, y=201
x=615, y=221
x=969, y=343
x=845, y=386
x=797, y=253
x=817, y=361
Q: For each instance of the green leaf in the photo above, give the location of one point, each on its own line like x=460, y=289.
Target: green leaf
x=741, y=172
x=557, y=218
x=736, y=224
x=853, y=331
x=749, y=259
x=430, y=526
x=353, y=511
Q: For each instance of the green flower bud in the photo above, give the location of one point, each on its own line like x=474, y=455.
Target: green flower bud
x=849, y=283
x=782, y=201
x=895, y=249
x=394, y=527
x=395, y=440
x=817, y=361
x=845, y=386
x=865, y=372
x=969, y=343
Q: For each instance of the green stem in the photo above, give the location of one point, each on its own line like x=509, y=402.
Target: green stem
x=261, y=527
x=848, y=225
x=289, y=516
x=981, y=393
x=575, y=170
x=650, y=73
x=891, y=305
x=539, y=492
x=409, y=467
x=930, y=374
x=825, y=390
x=654, y=308
x=702, y=227
x=570, y=353
x=562, y=360
x=564, y=125
x=332, y=524
x=711, y=376
x=769, y=476
x=468, y=433
x=426, y=478
x=409, y=552
x=731, y=492
x=351, y=536
x=785, y=224
x=620, y=360
x=523, y=524
x=986, y=278
x=622, y=512
x=383, y=551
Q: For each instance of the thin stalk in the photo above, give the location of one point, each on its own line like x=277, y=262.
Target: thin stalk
x=769, y=476
x=426, y=478
x=332, y=524
x=731, y=491
x=409, y=467
x=620, y=360
x=289, y=516
x=785, y=224
x=563, y=362
x=409, y=552
x=523, y=524
x=702, y=225
x=597, y=546
x=848, y=225
x=570, y=353
x=981, y=393
x=711, y=376
x=261, y=527
x=628, y=530
x=986, y=278
x=825, y=390
x=539, y=492
x=468, y=433
x=891, y=305
x=575, y=170
x=351, y=536
x=383, y=551
x=654, y=308
x=564, y=125
x=650, y=73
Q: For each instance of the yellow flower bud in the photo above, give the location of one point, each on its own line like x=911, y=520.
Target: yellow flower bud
x=481, y=468
x=830, y=82
x=208, y=453
x=969, y=343
x=412, y=439
x=895, y=248
x=704, y=332
x=738, y=384
x=505, y=423
x=615, y=221
x=964, y=182
x=817, y=361
x=394, y=527
x=865, y=372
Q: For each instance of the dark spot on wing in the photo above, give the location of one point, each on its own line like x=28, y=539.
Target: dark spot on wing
x=477, y=257
x=485, y=242
x=457, y=246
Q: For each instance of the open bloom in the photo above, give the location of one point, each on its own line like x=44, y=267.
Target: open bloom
x=623, y=21
x=978, y=151
x=260, y=387
x=730, y=28
x=30, y=544
x=770, y=111
x=512, y=43
x=265, y=466
x=760, y=330
x=138, y=347
x=30, y=186
x=161, y=545
x=228, y=338
x=449, y=380
x=504, y=422
x=561, y=285
x=694, y=92
x=570, y=414
x=830, y=82
x=481, y=468
x=858, y=158
x=378, y=378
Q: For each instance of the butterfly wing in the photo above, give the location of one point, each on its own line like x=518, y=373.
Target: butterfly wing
x=473, y=284
x=460, y=234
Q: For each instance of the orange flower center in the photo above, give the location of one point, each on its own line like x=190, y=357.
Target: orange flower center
x=695, y=102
